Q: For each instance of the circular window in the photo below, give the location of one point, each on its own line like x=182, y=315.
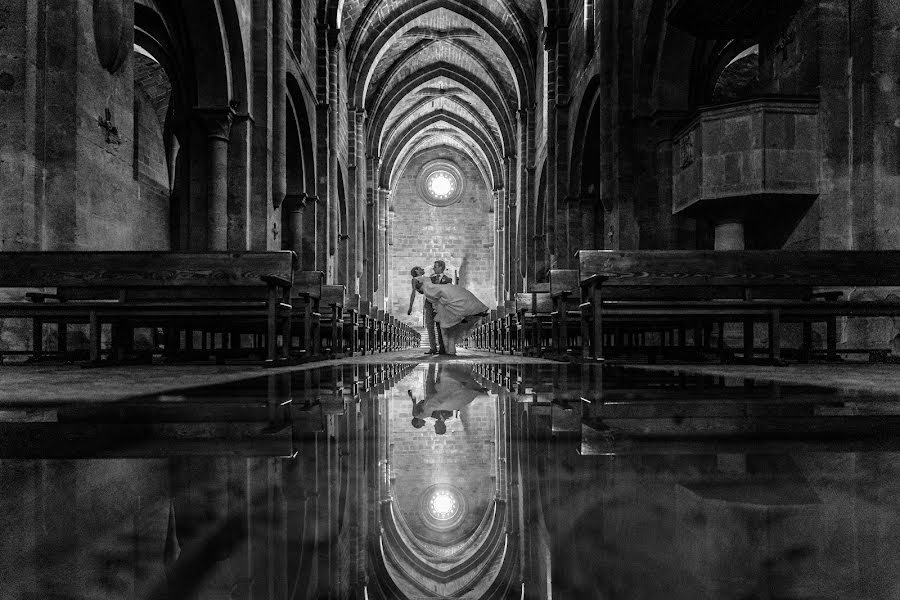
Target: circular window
x=442, y=507
x=440, y=183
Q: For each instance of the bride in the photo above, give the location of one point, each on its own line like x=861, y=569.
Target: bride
x=456, y=308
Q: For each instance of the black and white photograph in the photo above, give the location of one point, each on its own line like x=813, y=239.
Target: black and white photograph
x=449, y=299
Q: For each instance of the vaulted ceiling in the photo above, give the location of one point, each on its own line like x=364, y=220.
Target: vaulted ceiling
x=441, y=73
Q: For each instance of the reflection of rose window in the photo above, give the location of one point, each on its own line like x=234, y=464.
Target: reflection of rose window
x=441, y=185
x=443, y=505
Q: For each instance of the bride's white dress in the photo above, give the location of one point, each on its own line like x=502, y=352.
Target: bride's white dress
x=452, y=304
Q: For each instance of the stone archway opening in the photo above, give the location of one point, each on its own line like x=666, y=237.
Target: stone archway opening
x=443, y=210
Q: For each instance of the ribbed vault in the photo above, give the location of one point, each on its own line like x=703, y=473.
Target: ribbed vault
x=435, y=73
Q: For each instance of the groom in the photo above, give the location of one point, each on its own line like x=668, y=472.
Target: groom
x=435, y=339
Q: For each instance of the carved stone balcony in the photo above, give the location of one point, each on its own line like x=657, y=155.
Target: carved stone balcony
x=745, y=158
x=728, y=19
x=745, y=151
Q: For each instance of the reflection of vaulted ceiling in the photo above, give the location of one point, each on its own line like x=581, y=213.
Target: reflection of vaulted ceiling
x=441, y=73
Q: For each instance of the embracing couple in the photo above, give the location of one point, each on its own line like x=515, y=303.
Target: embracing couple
x=453, y=309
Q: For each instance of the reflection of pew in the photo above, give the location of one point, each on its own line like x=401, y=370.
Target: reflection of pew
x=148, y=440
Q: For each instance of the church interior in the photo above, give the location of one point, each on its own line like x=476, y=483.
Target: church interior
x=662, y=236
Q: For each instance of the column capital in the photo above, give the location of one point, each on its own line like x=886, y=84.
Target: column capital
x=216, y=120
x=295, y=202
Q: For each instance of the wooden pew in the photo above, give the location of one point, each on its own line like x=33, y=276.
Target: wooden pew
x=366, y=327
x=331, y=309
x=306, y=294
x=771, y=286
x=564, y=293
x=533, y=315
x=352, y=324
x=154, y=289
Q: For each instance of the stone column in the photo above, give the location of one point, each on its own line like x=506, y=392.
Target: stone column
x=310, y=259
x=357, y=202
x=499, y=242
x=294, y=204
x=387, y=262
x=279, y=104
x=239, y=174
x=729, y=234
x=217, y=123
x=527, y=198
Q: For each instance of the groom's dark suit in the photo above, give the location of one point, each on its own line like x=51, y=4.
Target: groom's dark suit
x=435, y=339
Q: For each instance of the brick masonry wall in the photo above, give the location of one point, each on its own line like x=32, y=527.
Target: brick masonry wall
x=462, y=234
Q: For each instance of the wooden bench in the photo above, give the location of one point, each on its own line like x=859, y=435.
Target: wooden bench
x=153, y=289
x=658, y=288
x=352, y=324
x=306, y=294
x=331, y=309
x=564, y=293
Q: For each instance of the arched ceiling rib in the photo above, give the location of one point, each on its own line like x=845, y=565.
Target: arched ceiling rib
x=439, y=74
x=441, y=119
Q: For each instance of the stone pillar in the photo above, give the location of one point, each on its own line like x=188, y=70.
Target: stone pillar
x=387, y=262
x=321, y=223
x=510, y=264
x=294, y=204
x=357, y=201
x=527, y=198
x=729, y=234
x=239, y=183
x=262, y=175
x=217, y=124
x=499, y=242
x=310, y=259
x=333, y=219
x=279, y=104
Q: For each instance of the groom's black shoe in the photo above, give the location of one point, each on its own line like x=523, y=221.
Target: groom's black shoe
x=432, y=352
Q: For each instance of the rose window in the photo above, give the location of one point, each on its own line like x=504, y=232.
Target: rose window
x=441, y=185
x=443, y=505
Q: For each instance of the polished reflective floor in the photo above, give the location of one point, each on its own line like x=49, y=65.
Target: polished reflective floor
x=456, y=479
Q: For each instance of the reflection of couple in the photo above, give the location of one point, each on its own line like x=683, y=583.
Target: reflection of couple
x=448, y=389
x=455, y=308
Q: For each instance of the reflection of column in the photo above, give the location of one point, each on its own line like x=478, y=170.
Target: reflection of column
x=217, y=122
